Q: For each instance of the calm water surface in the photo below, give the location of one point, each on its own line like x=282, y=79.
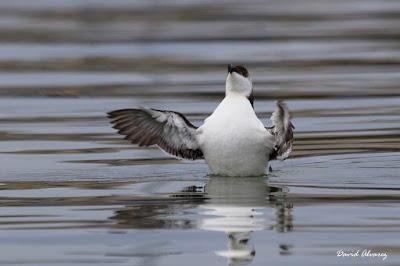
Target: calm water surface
x=73, y=193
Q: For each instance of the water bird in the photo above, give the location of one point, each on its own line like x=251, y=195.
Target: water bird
x=232, y=140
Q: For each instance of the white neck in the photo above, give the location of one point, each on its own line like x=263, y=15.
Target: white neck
x=238, y=85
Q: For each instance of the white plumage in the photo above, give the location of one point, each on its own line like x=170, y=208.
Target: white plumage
x=234, y=142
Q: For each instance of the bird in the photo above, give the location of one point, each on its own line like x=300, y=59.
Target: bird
x=232, y=140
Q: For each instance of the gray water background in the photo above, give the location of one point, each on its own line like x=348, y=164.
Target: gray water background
x=73, y=193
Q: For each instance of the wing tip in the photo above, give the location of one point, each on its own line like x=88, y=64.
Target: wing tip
x=115, y=113
x=110, y=114
x=283, y=131
x=281, y=104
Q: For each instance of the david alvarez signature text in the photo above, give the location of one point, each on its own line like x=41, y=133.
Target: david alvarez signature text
x=366, y=253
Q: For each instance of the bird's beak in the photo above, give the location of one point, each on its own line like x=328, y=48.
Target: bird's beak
x=230, y=68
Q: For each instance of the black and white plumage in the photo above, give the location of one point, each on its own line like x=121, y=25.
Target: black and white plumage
x=171, y=131
x=282, y=129
x=232, y=140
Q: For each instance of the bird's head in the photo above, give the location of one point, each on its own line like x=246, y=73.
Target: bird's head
x=238, y=81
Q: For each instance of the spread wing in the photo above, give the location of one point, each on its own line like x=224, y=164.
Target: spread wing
x=171, y=131
x=282, y=130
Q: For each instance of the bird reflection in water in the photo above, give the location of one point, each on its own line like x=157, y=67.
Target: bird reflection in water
x=236, y=206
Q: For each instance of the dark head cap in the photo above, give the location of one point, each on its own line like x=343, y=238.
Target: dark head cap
x=241, y=70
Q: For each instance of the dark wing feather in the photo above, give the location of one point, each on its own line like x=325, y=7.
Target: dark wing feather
x=282, y=129
x=171, y=131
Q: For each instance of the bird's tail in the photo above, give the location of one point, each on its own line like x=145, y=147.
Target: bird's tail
x=282, y=129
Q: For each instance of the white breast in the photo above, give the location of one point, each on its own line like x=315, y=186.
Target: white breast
x=234, y=142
